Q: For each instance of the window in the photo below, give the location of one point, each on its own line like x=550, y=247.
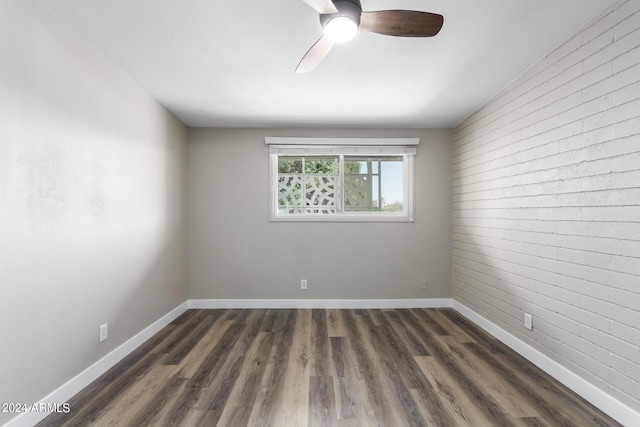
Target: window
x=341, y=179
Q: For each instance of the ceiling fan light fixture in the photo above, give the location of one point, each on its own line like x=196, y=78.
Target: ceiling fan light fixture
x=341, y=29
x=341, y=20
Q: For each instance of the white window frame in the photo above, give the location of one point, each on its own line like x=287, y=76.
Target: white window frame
x=402, y=147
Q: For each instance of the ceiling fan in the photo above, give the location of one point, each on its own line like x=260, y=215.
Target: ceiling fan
x=341, y=20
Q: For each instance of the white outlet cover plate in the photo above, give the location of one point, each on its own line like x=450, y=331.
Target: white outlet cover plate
x=104, y=332
x=528, y=321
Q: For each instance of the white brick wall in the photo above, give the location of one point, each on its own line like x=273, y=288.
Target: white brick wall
x=546, y=205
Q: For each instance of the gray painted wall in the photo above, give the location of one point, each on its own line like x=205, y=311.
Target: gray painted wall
x=235, y=252
x=547, y=205
x=92, y=205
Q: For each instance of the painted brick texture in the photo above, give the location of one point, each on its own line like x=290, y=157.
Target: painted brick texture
x=546, y=205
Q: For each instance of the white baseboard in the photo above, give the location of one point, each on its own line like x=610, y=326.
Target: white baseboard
x=86, y=377
x=597, y=397
x=321, y=303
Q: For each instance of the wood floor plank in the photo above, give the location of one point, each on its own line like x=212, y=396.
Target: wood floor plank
x=139, y=395
x=153, y=413
x=343, y=368
x=320, y=344
x=466, y=325
x=270, y=320
x=191, y=338
x=297, y=375
x=185, y=316
x=458, y=333
x=182, y=407
x=462, y=410
x=412, y=342
x=231, y=367
x=374, y=399
x=247, y=386
x=510, y=400
x=94, y=402
x=335, y=324
x=391, y=357
x=474, y=390
x=532, y=422
x=201, y=351
x=376, y=316
x=179, y=333
x=412, y=374
x=347, y=395
x=210, y=367
x=426, y=319
x=322, y=412
x=266, y=407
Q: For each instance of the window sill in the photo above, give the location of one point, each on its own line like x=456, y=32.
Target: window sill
x=341, y=218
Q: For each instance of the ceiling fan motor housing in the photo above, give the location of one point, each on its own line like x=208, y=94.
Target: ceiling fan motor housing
x=346, y=8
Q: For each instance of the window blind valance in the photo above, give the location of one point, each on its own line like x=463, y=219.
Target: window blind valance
x=372, y=142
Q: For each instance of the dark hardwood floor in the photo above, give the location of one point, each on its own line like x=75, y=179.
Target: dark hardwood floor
x=416, y=367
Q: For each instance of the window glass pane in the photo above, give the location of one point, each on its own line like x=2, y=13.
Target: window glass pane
x=322, y=165
x=357, y=185
x=392, y=184
x=373, y=183
x=375, y=195
x=308, y=185
x=355, y=166
x=357, y=192
x=289, y=164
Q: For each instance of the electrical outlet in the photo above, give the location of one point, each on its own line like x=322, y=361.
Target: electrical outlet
x=104, y=332
x=528, y=321
x=303, y=284
x=424, y=285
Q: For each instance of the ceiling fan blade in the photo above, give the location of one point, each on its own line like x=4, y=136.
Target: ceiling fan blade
x=315, y=55
x=404, y=23
x=322, y=6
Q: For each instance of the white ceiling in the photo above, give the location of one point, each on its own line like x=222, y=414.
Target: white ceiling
x=231, y=63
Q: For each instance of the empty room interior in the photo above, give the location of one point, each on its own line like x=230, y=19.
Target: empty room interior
x=222, y=213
